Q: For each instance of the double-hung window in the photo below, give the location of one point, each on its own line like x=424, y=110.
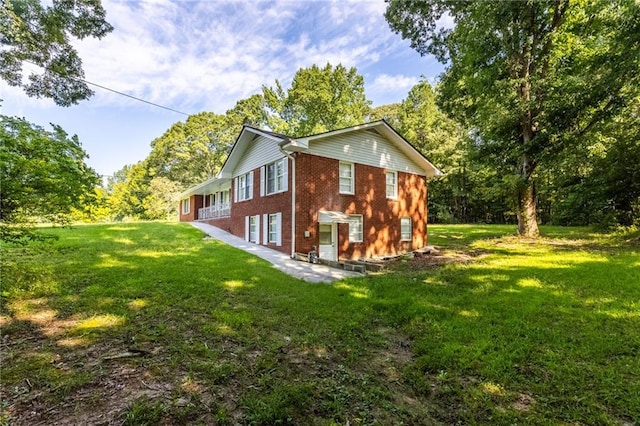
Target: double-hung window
x=253, y=228
x=186, y=206
x=346, y=178
x=276, y=176
x=392, y=184
x=245, y=186
x=355, y=228
x=405, y=229
x=273, y=228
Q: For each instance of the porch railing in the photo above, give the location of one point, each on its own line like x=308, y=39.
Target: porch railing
x=214, y=212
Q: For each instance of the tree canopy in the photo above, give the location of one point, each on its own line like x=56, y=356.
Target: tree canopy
x=319, y=100
x=530, y=77
x=41, y=35
x=43, y=175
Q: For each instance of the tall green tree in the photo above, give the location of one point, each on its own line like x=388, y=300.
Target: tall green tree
x=191, y=151
x=319, y=100
x=530, y=77
x=598, y=182
x=160, y=204
x=468, y=191
x=41, y=35
x=250, y=111
x=43, y=175
x=423, y=123
x=388, y=112
x=128, y=190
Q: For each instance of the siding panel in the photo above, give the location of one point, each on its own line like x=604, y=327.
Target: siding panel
x=260, y=151
x=364, y=147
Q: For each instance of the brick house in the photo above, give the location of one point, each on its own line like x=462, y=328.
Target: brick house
x=352, y=193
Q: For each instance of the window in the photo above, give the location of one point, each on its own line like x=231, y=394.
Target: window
x=346, y=178
x=273, y=228
x=186, y=206
x=392, y=185
x=355, y=228
x=245, y=186
x=253, y=229
x=405, y=229
x=276, y=176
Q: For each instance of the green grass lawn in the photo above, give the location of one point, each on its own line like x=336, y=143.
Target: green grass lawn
x=526, y=333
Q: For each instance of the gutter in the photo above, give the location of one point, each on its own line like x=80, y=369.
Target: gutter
x=293, y=199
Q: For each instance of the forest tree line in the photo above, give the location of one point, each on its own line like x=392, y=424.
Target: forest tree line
x=535, y=119
x=596, y=182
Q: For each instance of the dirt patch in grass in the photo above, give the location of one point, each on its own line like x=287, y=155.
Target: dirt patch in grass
x=436, y=257
x=108, y=389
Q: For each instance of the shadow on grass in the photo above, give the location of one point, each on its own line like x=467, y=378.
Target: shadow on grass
x=557, y=330
x=204, y=314
x=527, y=334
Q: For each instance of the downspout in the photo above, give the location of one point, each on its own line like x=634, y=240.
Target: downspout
x=293, y=200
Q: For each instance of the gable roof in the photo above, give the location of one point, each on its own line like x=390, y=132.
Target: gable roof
x=381, y=127
x=289, y=144
x=247, y=135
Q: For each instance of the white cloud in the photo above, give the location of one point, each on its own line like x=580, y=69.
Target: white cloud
x=386, y=83
x=204, y=55
x=446, y=22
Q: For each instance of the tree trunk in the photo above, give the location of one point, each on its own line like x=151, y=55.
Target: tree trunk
x=526, y=210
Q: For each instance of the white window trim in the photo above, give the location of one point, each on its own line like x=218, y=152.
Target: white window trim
x=285, y=177
x=186, y=206
x=248, y=180
x=395, y=185
x=254, y=229
x=272, y=232
x=353, y=178
x=361, y=223
x=410, y=229
x=265, y=229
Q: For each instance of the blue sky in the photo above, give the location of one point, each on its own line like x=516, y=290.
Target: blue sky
x=196, y=56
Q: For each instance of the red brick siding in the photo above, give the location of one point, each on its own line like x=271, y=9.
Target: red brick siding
x=223, y=223
x=196, y=203
x=268, y=204
x=317, y=187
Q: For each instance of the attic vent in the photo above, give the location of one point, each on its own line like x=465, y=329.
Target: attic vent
x=374, y=131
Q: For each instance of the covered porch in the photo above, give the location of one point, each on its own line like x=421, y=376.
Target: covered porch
x=212, y=199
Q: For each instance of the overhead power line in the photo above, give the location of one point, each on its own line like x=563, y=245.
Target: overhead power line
x=113, y=90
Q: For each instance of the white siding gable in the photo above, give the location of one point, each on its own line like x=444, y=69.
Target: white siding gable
x=259, y=152
x=364, y=147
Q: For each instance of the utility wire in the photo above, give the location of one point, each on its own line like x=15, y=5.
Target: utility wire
x=111, y=90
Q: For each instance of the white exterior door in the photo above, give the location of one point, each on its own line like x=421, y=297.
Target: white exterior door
x=327, y=241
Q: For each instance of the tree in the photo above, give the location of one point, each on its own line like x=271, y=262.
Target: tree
x=598, y=182
x=160, y=204
x=428, y=128
x=43, y=175
x=250, y=111
x=467, y=192
x=32, y=33
x=191, y=151
x=127, y=191
x=319, y=100
x=530, y=77
x=388, y=112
